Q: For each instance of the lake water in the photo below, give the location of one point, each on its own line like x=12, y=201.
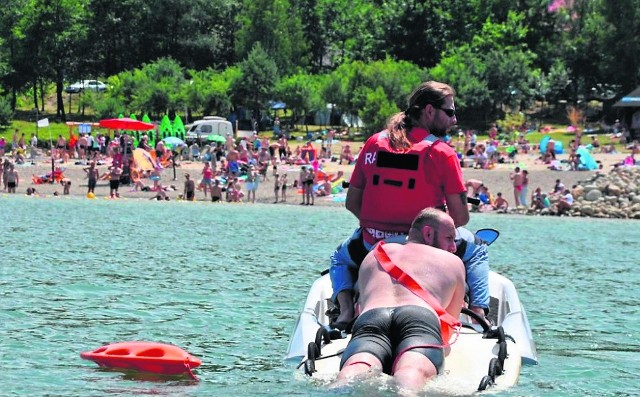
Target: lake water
x=226, y=282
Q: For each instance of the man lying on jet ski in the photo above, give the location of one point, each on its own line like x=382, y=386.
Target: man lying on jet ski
x=347, y=258
x=410, y=298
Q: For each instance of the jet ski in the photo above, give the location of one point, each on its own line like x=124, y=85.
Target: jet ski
x=485, y=355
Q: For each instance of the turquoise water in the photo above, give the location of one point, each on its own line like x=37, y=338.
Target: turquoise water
x=226, y=283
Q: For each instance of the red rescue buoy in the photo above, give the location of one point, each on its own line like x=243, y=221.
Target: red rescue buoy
x=159, y=358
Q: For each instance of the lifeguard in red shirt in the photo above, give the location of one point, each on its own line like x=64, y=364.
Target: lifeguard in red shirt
x=399, y=172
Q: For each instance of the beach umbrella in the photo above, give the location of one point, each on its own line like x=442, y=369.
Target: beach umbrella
x=143, y=160
x=146, y=118
x=172, y=141
x=133, y=117
x=216, y=138
x=178, y=126
x=126, y=124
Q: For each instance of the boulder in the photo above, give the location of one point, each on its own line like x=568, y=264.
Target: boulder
x=589, y=188
x=587, y=210
x=593, y=194
x=614, y=190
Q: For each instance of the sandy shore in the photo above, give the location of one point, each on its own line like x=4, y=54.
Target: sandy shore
x=497, y=179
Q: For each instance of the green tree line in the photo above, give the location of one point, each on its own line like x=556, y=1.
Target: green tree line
x=212, y=56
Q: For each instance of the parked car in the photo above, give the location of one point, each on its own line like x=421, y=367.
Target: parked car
x=93, y=85
x=209, y=125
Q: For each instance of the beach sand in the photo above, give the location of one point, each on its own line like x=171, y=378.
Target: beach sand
x=497, y=179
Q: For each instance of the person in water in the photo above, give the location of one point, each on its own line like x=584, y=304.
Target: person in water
x=410, y=162
x=398, y=332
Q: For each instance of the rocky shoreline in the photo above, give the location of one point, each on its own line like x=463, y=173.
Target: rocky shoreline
x=614, y=195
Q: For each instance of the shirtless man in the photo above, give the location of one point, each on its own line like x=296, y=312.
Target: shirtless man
x=114, y=181
x=500, y=203
x=61, y=145
x=189, y=188
x=229, y=143
x=346, y=155
x=325, y=188
x=92, y=175
x=11, y=178
x=393, y=320
x=216, y=191
x=516, y=177
x=282, y=149
x=474, y=184
x=82, y=146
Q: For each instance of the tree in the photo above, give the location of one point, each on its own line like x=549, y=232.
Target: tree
x=209, y=91
x=417, y=31
x=356, y=86
x=313, y=33
x=352, y=30
x=376, y=110
x=495, y=69
x=257, y=85
x=301, y=93
x=619, y=28
x=156, y=88
x=277, y=28
x=463, y=70
x=201, y=32
x=48, y=33
x=6, y=112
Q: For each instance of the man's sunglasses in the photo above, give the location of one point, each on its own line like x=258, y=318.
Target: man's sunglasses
x=448, y=112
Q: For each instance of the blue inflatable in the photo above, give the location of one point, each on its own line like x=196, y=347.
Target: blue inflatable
x=586, y=160
x=543, y=144
x=558, y=147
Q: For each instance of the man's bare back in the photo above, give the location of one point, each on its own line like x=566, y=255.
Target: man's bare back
x=438, y=271
x=397, y=331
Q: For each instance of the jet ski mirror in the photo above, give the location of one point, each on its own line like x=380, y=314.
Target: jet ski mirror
x=487, y=236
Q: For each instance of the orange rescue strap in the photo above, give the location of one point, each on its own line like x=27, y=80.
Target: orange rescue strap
x=447, y=321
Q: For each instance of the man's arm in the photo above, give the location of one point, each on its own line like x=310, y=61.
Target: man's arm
x=354, y=201
x=457, y=206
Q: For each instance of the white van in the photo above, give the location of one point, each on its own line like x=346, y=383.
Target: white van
x=207, y=126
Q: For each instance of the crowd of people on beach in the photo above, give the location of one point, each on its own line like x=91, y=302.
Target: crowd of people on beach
x=232, y=170
x=503, y=147
x=558, y=199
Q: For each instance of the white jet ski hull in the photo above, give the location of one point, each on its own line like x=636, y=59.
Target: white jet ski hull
x=468, y=362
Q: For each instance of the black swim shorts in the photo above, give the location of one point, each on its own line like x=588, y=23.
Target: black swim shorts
x=387, y=332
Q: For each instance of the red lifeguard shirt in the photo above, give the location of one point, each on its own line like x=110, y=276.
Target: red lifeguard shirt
x=397, y=185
